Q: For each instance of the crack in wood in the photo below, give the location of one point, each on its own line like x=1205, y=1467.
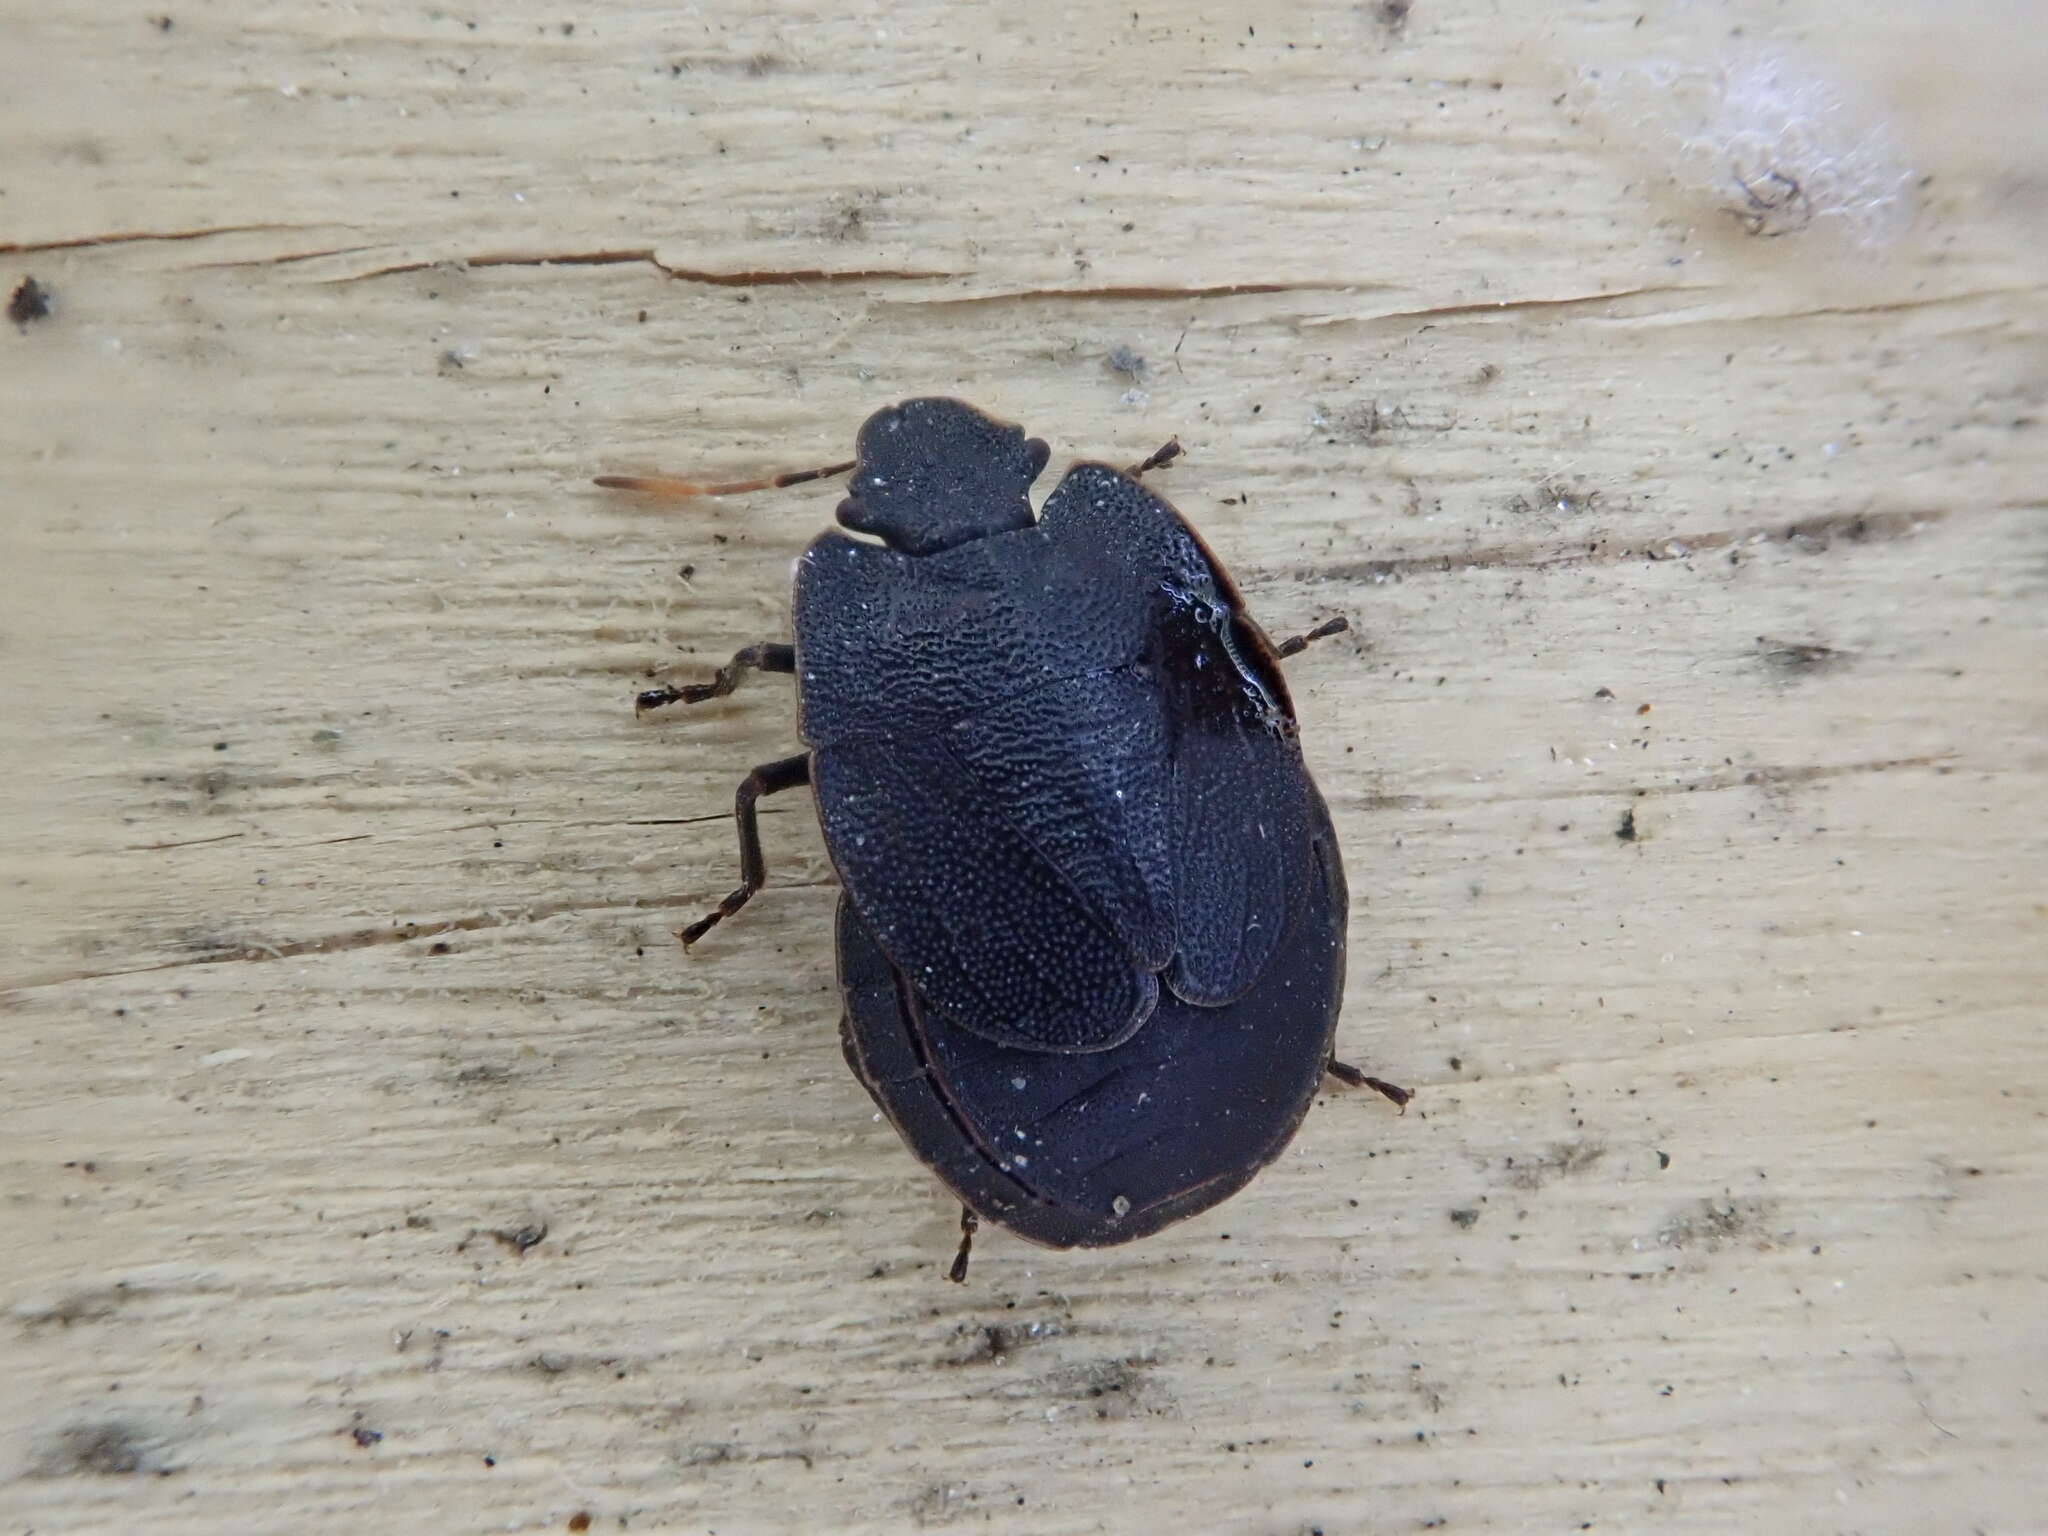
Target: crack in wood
x=368, y=938
x=1765, y=776
x=1813, y=534
x=142, y=237
x=645, y=256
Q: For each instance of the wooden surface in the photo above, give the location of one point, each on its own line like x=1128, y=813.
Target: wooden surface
x=338, y=874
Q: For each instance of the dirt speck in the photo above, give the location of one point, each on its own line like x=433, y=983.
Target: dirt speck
x=482, y=1074
x=1772, y=203
x=1717, y=1221
x=522, y=1240
x=109, y=1448
x=1114, y=1387
x=1127, y=362
x=1795, y=660
x=850, y=220
x=82, y=1306
x=942, y=1503
x=1565, y=1158
x=995, y=1343
x=31, y=302
x=1374, y=421
x=1556, y=496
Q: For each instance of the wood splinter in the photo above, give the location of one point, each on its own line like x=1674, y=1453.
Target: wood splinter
x=675, y=488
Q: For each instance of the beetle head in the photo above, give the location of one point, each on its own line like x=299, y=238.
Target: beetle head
x=934, y=473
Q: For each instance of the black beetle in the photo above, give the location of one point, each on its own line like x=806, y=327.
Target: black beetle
x=1091, y=928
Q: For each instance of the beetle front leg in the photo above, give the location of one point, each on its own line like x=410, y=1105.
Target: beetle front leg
x=1351, y=1077
x=1294, y=645
x=969, y=1225
x=768, y=779
x=768, y=656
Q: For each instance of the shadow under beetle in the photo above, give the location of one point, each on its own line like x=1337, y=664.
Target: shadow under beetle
x=1092, y=919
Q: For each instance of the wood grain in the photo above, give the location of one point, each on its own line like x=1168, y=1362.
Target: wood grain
x=373, y=1156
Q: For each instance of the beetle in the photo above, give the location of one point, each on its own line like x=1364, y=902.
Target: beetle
x=1090, y=935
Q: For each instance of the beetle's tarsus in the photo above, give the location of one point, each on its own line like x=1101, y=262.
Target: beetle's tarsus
x=1160, y=457
x=768, y=656
x=1349, y=1075
x=655, y=698
x=1294, y=645
x=969, y=1225
x=768, y=779
x=711, y=920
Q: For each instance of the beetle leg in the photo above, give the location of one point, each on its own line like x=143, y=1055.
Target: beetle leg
x=1294, y=645
x=1349, y=1075
x=1159, y=459
x=766, y=657
x=969, y=1225
x=768, y=779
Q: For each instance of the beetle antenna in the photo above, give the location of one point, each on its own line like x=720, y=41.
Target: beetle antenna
x=1160, y=457
x=1344, y=1072
x=1294, y=645
x=674, y=488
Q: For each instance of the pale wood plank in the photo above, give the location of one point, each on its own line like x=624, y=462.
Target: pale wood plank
x=1721, y=1204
